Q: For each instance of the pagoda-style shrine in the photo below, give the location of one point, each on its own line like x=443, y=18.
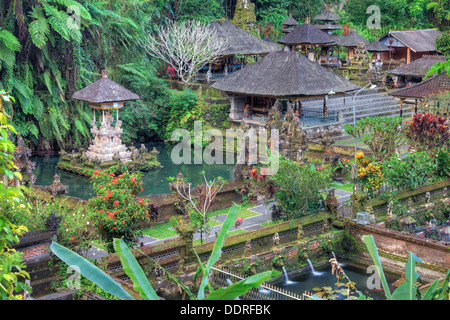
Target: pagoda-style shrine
x=289, y=24
x=104, y=97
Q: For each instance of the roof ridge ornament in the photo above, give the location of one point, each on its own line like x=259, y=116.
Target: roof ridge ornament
x=105, y=73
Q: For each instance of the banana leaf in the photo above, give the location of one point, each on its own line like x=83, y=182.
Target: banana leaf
x=90, y=271
x=134, y=271
x=408, y=289
x=372, y=248
x=239, y=288
x=217, y=250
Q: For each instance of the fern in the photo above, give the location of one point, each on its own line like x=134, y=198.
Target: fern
x=57, y=20
x=39, y=29
x=6, y=55
x=10, y=41
x=33, y=129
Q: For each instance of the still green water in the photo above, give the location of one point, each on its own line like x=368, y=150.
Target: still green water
x=363, y=277
x=154, y=182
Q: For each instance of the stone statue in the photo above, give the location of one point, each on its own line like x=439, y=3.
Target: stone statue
x=181, y=263
x=389, y=209
x=428, y=196
x=247, y=247
x=444, y=193
x=276, y=240
x=52, y=222
x=300, y=233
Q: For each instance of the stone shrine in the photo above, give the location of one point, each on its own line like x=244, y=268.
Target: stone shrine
x=105, y=96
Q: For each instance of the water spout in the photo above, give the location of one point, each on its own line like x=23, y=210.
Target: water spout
x=287, y=281
x=341, y=264
x=316, y=273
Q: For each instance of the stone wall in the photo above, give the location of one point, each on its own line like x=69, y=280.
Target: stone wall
x=169, y=253
x=434, y=254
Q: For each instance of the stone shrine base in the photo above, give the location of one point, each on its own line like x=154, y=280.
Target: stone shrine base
x=78, y=163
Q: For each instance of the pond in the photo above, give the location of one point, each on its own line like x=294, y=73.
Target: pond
x=307, y=281
x=154, y=182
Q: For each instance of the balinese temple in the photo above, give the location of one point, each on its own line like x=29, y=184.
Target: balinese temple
x=279, y=75
x=410, y=45
x=418, y=93
x=289, y=24
x=414, y=72
x=240, y=43
x=105, y=97
x=308, y=38
x=377, y=49
x=351, y=42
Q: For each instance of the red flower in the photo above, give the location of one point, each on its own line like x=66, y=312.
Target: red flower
x=111, y=215
x=116, y=203
x=111, y=174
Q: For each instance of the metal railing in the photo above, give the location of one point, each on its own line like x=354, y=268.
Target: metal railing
x=266, y=291
x=316, y=117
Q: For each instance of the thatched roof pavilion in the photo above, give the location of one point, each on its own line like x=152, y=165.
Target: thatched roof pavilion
x=104, y=90
x=327, y=15
x=418, y=92
x=418, y=68
x=279, y=75
x=352, y=40
x=284, y=74
x=434, y=85
x=289, y=24
x=328, y=21
x=377, y=46
x=240, y=41
x=306, y=34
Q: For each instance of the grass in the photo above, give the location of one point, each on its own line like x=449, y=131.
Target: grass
x=348, y=186
x=165, y=230
x=160, y=231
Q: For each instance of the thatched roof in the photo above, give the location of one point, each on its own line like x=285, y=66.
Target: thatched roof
x=283, y=74
x=104, y=90
x=417, y=40
x=241, y=41
x=434, y=85
x=267, y=39
x=329, y=26
x=306, y=34
x=417, y=68
x=290, y=22
x=377, y=46
x=327, y=16
x=352, y=40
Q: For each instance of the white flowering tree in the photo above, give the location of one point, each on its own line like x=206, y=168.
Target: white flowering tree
x=186, y=46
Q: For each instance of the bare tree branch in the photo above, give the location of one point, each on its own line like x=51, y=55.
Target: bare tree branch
x=186, y=46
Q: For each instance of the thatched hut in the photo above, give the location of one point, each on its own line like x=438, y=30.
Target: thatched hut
x=309, y=38
x=419, y=92
x=377, y=48
x=240, y=43
x=279, y=75
x=415, y=71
